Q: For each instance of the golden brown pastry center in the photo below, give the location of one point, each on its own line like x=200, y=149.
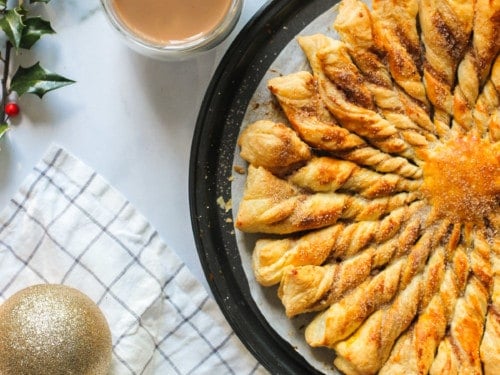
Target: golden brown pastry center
x=462, y=178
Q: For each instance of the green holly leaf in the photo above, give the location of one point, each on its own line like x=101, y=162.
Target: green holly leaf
x=22, y=11
x=34, y=29
x=3, y=129
x=36, y=80
x=12, y=24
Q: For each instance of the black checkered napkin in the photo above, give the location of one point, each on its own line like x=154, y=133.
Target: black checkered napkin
x=67, y=225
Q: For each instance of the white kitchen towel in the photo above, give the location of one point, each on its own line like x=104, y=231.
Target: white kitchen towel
x=67, y=225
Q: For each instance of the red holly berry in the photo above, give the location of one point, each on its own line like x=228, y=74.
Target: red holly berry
x=12, y=109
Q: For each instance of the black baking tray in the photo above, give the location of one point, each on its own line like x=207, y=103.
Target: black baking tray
x=212, y=152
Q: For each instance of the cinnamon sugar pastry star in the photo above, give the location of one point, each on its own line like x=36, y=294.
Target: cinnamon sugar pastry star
x=376, y=203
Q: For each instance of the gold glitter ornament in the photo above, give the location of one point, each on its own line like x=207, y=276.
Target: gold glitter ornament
x=53, y=329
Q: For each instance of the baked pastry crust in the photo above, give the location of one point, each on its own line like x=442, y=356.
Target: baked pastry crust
x=378, y=203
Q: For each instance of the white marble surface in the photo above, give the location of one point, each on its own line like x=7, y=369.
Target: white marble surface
x=128, y=117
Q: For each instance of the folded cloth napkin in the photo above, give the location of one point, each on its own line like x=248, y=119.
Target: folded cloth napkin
x=67, y=225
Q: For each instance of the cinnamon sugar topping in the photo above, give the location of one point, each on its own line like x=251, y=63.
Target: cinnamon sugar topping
x=462, y=178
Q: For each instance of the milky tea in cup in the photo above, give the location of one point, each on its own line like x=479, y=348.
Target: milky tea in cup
x=173, y=29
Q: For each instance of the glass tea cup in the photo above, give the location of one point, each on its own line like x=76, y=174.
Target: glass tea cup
x=173, y=29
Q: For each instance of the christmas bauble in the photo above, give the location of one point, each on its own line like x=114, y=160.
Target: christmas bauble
x=53, y=329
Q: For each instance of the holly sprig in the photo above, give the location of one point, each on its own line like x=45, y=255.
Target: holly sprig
x=22, y=31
